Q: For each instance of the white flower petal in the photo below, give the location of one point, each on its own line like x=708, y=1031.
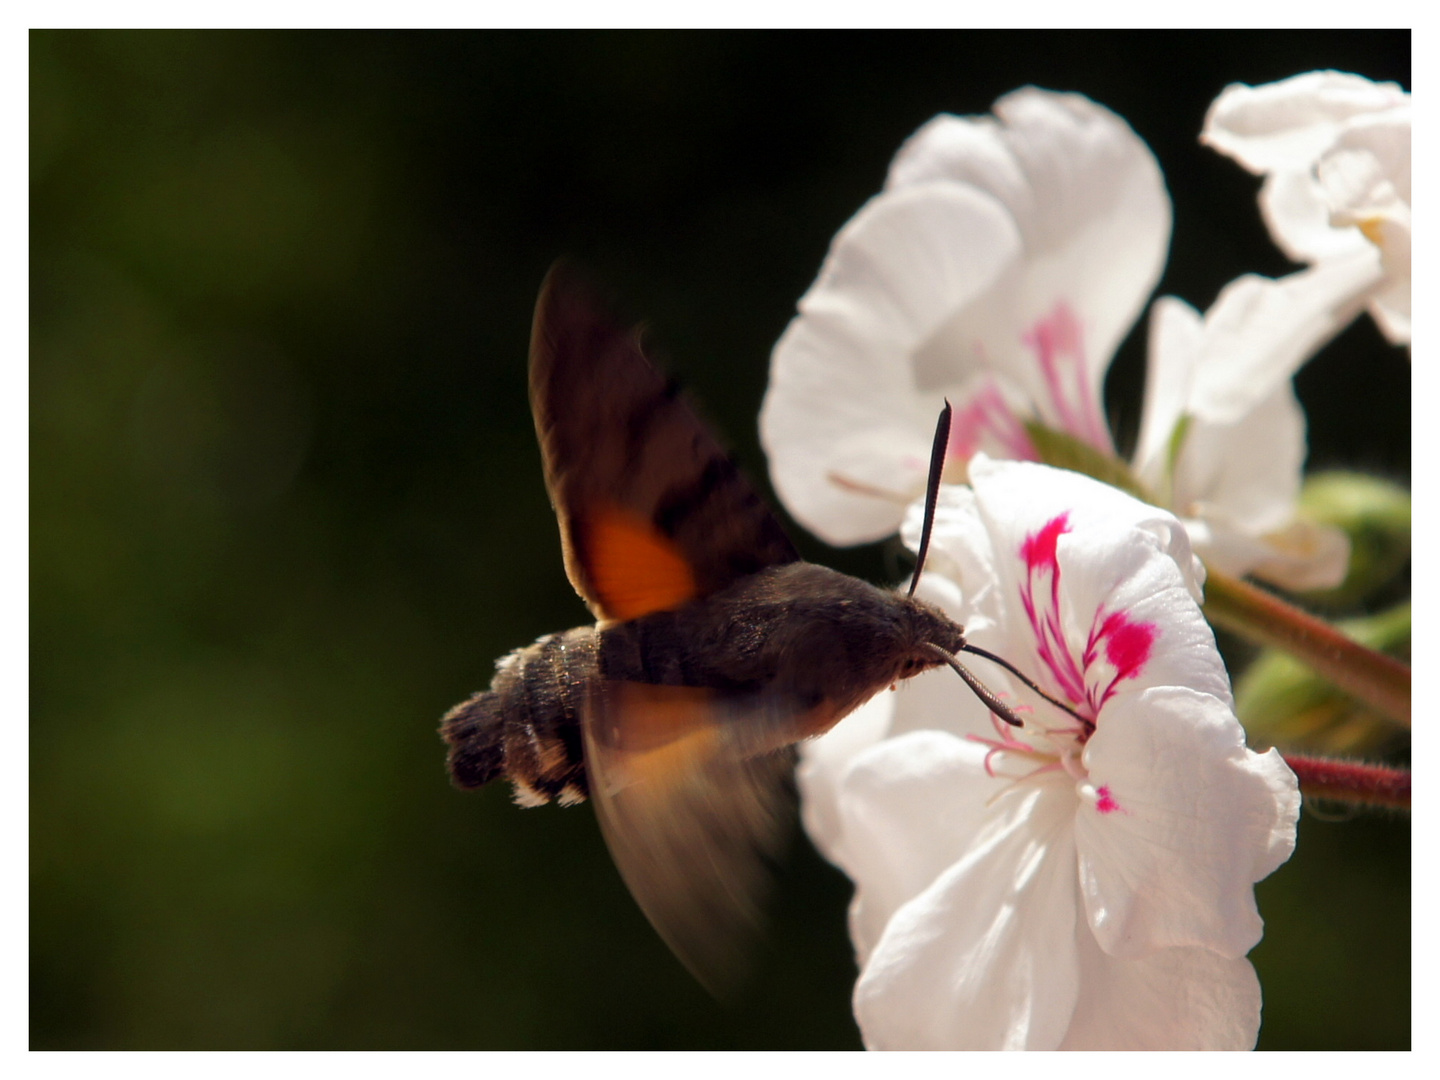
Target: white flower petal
x=1390, y=307
x=922, y=774
x=1111, y=576
x=1297, y=214
x=824, y=760
x=1260, y=331
x=1246, y=472
x=1084, y=190
x=1173, y=999
x=1336, y=151
x=960, y=549
x=1366, y=173
x=1288, y=124
x=1234, y=482
x=842, y=399
x=1242, y=481
x=985, y=958
x=1185, y=822
x=1015, y=499
x=1304, y=555
x=1177, y=335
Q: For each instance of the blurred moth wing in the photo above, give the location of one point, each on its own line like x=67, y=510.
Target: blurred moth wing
x=692, y=824
x=654, y=515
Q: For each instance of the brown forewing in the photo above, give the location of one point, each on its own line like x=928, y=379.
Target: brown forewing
x=624, y=452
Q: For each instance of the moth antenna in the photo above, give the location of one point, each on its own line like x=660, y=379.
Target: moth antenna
x=932, y=491
x=983, y=692
x=977, y=651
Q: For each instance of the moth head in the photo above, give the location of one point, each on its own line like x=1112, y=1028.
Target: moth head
x=925, y=626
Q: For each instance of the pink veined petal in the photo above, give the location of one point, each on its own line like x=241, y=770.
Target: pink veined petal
x=847, y=435
x=1288, y=124
x=1017, y=498
x=1114, y=555
x=989, y=416
x=985, y=957
x=909, y=808
x=1089, y=201
x=1149, y=590
x=1171, y=999
x=1200, y=819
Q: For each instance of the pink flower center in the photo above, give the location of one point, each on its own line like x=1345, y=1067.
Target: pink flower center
x=1117, y=647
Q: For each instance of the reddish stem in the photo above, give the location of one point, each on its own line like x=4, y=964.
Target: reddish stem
x=1351, y=781
x=1372, y=677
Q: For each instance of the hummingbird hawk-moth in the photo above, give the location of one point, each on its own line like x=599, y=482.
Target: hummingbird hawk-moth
x=716, y=647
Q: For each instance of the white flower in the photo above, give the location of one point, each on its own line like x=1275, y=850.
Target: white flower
x=1335, y=153
x=1075, y=883
x=1003, y=262
x=1000, y=267
x=1222, y=436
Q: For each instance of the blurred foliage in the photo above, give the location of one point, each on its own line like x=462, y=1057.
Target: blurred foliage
x=286, y=507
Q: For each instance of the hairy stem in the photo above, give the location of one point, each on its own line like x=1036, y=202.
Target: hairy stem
x=1351, y=781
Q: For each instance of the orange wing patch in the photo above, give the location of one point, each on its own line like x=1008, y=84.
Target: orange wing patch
x=632, y=567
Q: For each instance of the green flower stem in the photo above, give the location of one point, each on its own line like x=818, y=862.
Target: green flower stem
x=1351, y=781
x=1380, y=681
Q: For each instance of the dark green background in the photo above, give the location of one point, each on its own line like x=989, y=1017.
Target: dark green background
x=286, y=507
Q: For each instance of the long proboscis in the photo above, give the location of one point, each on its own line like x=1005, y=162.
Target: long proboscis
x=932, y=490
x=989, y=697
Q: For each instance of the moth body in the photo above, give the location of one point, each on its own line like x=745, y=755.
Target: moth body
x=792, y=649
x=815, y=642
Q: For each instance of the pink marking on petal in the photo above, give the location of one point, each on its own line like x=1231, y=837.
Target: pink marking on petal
x=1038, y=549
x=1056, y=340
x=1105, y=803
x=986, y=421
x=1128, y=644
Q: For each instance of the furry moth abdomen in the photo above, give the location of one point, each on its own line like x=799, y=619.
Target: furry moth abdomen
x=527, y=725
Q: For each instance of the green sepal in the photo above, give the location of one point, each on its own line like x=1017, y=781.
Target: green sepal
x=1375, y=514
